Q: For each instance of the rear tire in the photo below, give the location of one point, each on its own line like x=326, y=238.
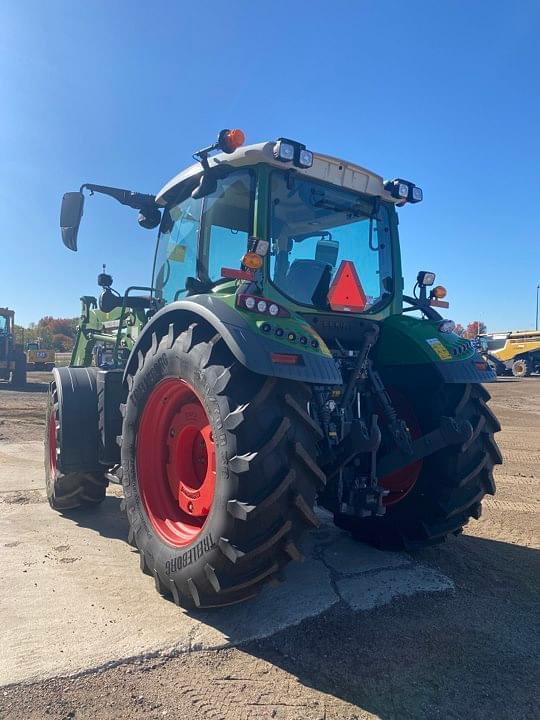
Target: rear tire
x=71, y=490
x=265, y=481
x=452, y=482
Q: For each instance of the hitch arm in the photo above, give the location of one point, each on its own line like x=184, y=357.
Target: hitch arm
x=450, y=432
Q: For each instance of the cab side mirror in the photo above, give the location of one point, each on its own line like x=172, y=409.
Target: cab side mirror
x=70, y=218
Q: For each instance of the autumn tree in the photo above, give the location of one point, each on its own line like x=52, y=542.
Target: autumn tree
x=477, y=327
x=56, y=333
x=62, y=343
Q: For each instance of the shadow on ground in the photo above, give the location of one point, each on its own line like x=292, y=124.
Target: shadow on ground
x=467, y=654
x=32, y=387
x=107, y=520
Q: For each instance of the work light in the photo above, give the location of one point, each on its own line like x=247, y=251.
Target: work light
x=398, y=189
x=283, y=151
x=425, y=278
x=287, y=150
x=404, y=190
x=305, y=158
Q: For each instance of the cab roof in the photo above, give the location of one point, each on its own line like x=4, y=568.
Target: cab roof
x=329, y=169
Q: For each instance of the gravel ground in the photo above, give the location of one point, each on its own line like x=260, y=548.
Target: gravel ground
x=468, y=653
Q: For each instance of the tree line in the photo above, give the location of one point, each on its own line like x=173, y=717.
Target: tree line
x=56, y=333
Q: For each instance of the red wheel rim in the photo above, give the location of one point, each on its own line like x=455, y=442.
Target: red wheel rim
x=401, y=482
x=52, y=443
x=176, y=462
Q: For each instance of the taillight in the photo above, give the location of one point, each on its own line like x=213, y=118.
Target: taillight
x=260, y=305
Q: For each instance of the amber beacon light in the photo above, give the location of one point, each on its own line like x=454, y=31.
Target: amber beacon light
x=231, y=140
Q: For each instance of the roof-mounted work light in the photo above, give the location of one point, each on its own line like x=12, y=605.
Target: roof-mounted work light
x=404, y=190
x=286, y=150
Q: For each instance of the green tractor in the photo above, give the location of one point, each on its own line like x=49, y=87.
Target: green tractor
x=273, y=365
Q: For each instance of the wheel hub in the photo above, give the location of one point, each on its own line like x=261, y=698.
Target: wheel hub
x=191, y=468
x=176, y=462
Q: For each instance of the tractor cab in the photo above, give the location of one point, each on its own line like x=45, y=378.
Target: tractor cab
x=317, y=233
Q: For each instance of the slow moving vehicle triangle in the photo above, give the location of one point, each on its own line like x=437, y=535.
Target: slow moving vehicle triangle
x=346, y=292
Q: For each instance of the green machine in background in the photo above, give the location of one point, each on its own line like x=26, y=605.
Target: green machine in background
x=274, y=364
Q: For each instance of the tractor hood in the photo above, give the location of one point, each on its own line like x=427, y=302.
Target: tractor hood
x=328, y=169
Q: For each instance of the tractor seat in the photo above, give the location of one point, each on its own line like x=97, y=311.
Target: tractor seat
x=302, y=279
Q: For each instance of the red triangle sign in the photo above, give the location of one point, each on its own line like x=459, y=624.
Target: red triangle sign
x=346, y=292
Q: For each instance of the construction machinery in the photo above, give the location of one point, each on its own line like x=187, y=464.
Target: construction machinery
x=514, y=353
x=39, y=357
x=273, y=364
x=12, y=357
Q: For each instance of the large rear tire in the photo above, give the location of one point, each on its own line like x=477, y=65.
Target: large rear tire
x=76, y=489
x=218, y=470
x=451, y=483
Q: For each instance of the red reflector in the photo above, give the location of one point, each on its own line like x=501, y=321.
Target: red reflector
x=286, y=358
x=439, y=303
x=346, y=291
x=233, y=274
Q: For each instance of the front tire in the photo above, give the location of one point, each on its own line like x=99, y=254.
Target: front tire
x=257, y=475
x=75, y=489
x=451, y=483
x=521, y=367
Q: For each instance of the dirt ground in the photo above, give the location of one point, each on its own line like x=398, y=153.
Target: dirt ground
x=471, y=652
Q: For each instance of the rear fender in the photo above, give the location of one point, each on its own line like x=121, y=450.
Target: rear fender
x=414, y=351
x=252, y=349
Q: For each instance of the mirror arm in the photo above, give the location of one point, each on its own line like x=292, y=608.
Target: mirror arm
x=138, y=201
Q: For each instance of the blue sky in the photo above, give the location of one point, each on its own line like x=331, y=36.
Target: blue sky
x=443, y=93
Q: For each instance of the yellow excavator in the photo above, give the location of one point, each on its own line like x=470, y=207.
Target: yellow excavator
x=514, y=353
